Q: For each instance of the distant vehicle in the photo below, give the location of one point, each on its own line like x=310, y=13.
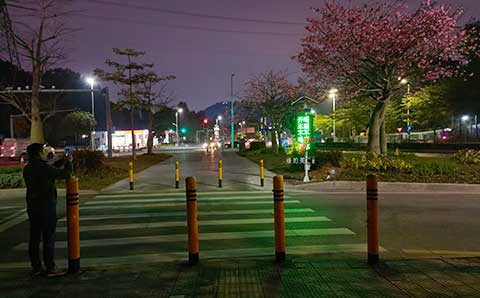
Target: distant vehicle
x=228, y=145
x=17, y=148
x=212, y=146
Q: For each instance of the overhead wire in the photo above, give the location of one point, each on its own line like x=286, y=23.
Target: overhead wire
x=184, y=27
x=192, y=14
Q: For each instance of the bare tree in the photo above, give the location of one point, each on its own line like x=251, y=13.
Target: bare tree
x=154, y=101
x=39, y=30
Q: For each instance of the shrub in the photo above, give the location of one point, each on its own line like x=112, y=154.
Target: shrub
x=322, y=158
x=257, y=145
x=10, y=170
x=14, y=180
x=378, y=164
x=434, y=168
x=86, y=161
x=468, y=156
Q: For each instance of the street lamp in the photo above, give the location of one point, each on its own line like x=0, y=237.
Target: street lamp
x=91, y=81
x=406, y=82
x=233, y=112
x=218, y=119
x=333, y=94
x=179, y=111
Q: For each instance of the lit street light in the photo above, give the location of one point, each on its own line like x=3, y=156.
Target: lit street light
x=179, y=111
x=91, y=81
x=406, y=82
x=333, y=94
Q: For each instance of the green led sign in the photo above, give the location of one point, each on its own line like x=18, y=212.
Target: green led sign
x=304, y=128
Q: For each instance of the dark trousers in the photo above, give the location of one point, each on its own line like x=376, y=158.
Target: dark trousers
x=43, y=223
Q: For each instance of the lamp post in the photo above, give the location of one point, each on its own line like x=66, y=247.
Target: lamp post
x=179, y=111
x=91, y=81
x=233, y=112
x=333, y=95
x=465, y=119
x=406, y=82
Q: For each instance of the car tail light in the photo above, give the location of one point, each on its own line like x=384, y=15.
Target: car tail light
x=13, y=155
x=2, y=155
x=12, y=148
x=2, y=148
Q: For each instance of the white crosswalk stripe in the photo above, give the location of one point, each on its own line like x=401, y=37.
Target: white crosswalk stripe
x=182, y=213
x=131, y=228
x=156, y=205
x=183, y=223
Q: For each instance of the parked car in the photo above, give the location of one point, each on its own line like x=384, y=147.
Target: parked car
x=17, y=148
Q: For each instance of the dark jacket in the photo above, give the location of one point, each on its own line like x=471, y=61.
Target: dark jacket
x=40, y=181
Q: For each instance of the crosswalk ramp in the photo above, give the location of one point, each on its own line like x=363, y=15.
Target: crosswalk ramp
x=143, y=228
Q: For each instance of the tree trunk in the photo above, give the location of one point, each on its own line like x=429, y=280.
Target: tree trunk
x=374, y=127
x=383, y=138
x=134, y=144
x=278, y=136
x=274, y=141
x=150, y=133
x=36, y=128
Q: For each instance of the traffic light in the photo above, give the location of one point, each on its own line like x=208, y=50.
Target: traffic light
x=205, y=121
x=183, y=130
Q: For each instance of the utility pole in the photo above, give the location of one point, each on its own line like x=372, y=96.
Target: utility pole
x=233, y=112
x=108, y=113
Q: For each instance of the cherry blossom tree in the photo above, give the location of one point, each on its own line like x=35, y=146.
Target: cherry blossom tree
x=366, y=49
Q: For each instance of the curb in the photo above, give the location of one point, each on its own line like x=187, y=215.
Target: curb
x=399, y=187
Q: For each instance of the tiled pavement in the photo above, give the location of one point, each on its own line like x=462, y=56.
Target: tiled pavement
x=343, y=276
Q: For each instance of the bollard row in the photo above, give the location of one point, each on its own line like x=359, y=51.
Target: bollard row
x=192, y=221
x=73, y=224
x=130, y=175
x=372, y=219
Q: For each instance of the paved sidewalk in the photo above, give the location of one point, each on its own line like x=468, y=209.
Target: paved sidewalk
x=341, y=276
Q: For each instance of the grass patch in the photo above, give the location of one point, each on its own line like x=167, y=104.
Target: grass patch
x=115, y=170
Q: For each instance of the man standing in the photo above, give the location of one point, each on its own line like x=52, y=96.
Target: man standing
x=41, y=206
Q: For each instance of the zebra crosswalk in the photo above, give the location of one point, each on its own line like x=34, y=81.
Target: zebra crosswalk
x=144, y=228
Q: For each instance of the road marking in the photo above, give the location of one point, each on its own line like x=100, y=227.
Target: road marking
x=175, y=194
x=183, y=223
x=182, y=213
x=442, y=252
x=183, y=204
x=203, y=237
x=183, y=199
x=13, y=220
x=10, y=207
x=205, y=254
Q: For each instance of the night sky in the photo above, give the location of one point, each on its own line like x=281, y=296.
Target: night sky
x=202, y=60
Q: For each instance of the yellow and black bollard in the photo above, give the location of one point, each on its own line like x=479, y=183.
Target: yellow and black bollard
x=73, y=223
x=220, y=173
x=130, y=175
x=262, y=174
x=372, y=219
x=177, y=174
x=192, y=221
x=279, y=210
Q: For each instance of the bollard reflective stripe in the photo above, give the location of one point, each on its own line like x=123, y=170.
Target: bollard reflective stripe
x=192, y=221
x=130, y=175
x=220, y=173
x=73, y=225
x=372, y=219
x=279, y=211
x=262, y=174
x=177, y=174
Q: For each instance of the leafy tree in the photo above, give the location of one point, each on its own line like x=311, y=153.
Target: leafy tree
x=131, y=76
x=38, y=28
x=367, y=48
x=269, y=94
x=78, y=123
x=428, y=107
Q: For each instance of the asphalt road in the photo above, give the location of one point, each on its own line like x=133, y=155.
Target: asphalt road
x=148, y=224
